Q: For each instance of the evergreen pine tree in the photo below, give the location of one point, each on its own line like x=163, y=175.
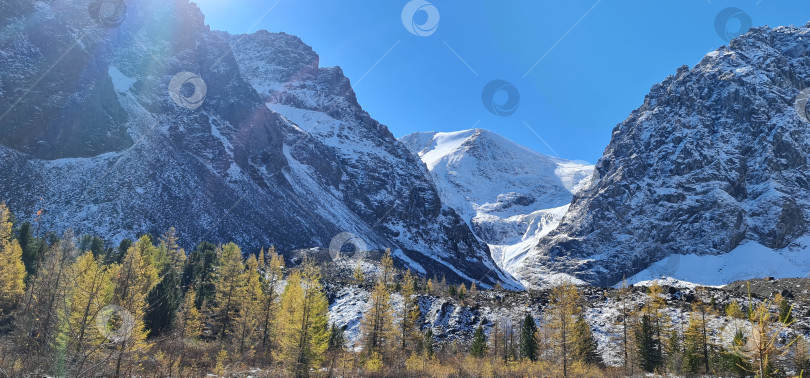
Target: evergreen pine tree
x=336, y=346
x=649, y=355
x=162, y=303
x=337, y=339
x=528, y=342
x=785, y=309
x=731, y=360
x=198, y=271
x=428, y=343
x=479, y=344
x=30, y=248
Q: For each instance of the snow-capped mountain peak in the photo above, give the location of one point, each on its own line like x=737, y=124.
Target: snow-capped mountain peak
x=510, y=195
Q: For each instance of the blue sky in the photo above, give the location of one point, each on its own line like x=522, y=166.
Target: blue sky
x=593, y=60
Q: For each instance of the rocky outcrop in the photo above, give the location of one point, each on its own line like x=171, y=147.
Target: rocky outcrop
x=715, y=155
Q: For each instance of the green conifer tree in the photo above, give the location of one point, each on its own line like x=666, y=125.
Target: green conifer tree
x=479, y=344
x=528, y=341
x=649, y=355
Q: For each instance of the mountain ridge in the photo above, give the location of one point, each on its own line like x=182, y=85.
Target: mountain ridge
x=715, y=156
x=232, y=169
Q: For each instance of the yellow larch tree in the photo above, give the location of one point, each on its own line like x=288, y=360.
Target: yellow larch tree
x=273, y=274
x=125, y=326
x=377, y=327
x=302, y=323
x=186, y=328
x=358, y=275
x=229, y=281
x=387, y=273
x=91, y=289
x=564, y=308
x=409, y=318
x=12, y=269
x=176, y=255
x=38, y=320
x=250, y=308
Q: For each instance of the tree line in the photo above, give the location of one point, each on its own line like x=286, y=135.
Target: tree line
x=72, y=306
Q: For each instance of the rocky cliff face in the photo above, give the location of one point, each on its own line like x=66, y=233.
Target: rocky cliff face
x=716, y=155
x=97, y=130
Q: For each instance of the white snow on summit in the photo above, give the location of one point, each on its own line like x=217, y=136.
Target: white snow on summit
x=510, y=195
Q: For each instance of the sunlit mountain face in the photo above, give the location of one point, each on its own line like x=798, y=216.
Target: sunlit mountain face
x=182, y=201
x=137, y=119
